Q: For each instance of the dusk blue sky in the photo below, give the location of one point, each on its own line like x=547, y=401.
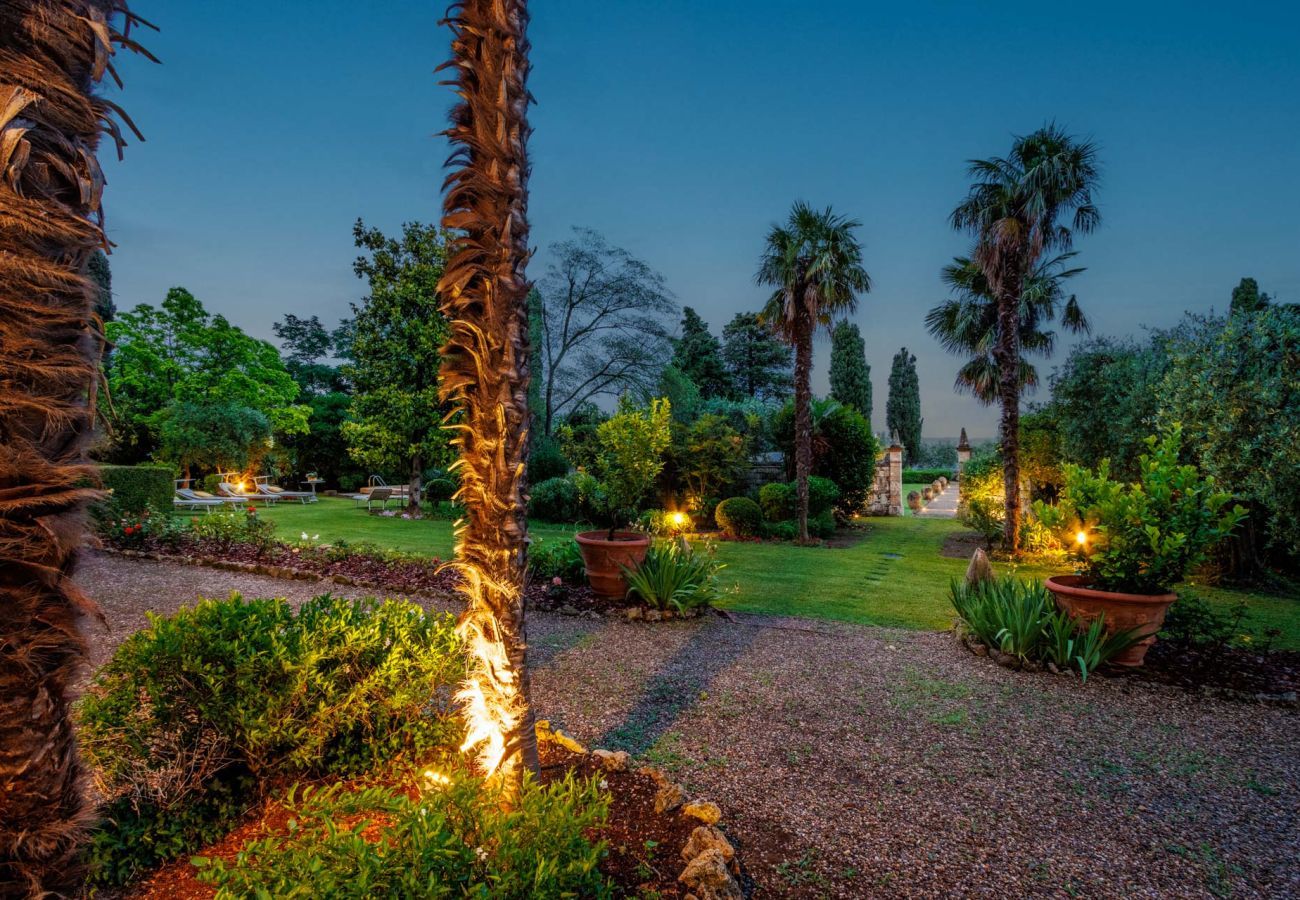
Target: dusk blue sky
x=683, y=130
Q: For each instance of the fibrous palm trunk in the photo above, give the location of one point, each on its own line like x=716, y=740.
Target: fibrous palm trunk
x=1007, y=356
x=485, y=372
x=52, y=52
x=802, y=417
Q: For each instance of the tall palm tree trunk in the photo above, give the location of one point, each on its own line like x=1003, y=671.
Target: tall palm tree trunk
x=51, y=54
x=1007, y=356
x=485, y=372
x=802, y=418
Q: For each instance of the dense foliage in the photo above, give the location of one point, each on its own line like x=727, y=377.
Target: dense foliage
x=844, y=451
x=454, y=840
x=630, y=457
x=1142, y=537
x=180, y=355
x=195, y=711
x=134, y=489
x=758, y=362
x=850, y=373
x=903, y=406
x=698, y=355
x=397, y=334
x=739, y=517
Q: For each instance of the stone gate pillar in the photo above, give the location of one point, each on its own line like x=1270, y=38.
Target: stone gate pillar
x=895, y=455
x=963, y=453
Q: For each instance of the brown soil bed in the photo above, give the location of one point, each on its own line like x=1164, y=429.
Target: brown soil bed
x=1232, y=671
x=962, y=545
x=643, y=847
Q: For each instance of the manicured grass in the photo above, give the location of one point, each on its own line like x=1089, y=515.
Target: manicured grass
x=893, y=575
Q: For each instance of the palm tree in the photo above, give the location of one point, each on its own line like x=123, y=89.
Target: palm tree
x=485, y=372
x=52, y=53
x=815, y=263
x=967, y=323
x=1014, y=210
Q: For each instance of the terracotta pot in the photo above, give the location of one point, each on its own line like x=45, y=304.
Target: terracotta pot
x=602, y=558
x=1145, y=612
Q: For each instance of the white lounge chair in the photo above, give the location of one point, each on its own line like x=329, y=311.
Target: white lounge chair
x=184, y=499
x=203, y=498
x=229, y=490
x=371, y=496
x=304, y=496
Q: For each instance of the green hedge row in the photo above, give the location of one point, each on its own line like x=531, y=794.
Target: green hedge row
x=137, y=488
x=925, y=476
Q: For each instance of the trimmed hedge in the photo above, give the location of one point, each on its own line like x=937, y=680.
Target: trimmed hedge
x=778, y=500
x=137, y=488
x=739, y=517
x=925, y=476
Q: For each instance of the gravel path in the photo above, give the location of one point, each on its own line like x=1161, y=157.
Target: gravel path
x=863, y=762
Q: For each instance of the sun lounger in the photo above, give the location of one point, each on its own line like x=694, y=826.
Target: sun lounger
x=229, y=490
x=371, y=496
x=184, y=499
x=305, y=496
x=203, y=499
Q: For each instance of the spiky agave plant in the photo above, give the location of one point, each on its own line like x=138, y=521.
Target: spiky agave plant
x=485, y=371
x=52, y=54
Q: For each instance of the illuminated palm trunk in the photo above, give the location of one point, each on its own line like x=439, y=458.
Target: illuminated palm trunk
x=52, y=52
x=485, y=372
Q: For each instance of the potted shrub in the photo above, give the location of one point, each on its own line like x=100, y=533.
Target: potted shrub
x=630, y=448
x=1135, y=541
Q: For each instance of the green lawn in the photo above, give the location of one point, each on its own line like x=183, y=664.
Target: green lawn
x=893, y=575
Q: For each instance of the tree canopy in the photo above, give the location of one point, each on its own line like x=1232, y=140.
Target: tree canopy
x=903, y=407
x=698, y=355
x=758, y=361
x=604, y=325
x=397, y=332
x=180, y=354
x=850, y=372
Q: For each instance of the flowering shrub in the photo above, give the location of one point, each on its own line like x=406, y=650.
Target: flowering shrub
x=131, y=531
x=235, y=526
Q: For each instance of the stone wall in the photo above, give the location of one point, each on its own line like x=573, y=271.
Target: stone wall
x=886, y=498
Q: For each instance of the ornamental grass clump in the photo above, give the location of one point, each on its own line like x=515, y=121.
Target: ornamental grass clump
x=1141, y=537
x=675, y=576
x=1019, y=619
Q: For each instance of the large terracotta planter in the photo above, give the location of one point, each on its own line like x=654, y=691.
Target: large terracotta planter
x=603, y=557
x=1145, y=612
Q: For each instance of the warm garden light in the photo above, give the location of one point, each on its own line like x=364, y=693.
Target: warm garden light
x=1081, y=538
x=436, y=779
x=677, y=520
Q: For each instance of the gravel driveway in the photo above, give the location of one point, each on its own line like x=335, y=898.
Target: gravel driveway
x=863, y=762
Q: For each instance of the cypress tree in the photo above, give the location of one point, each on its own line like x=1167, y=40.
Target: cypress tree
x=903, y=409
x=758, y=362
x=698, y=355
x=850, y=372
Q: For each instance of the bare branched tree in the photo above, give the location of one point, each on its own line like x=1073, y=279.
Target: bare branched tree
x=52, y=54
x=607, y=321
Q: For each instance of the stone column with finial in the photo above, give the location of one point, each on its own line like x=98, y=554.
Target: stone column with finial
x=963, y=453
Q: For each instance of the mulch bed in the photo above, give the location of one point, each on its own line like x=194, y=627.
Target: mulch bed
x=644, y=847
x=431, y=577
x=1231, y=672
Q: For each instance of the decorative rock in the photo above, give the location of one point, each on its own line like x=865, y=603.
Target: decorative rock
x=914, y=500
x=669, y=797
x=980, y=569
x=634, y=613
x=707, y=877
x=706, y=837
x=928, y=494
x=547, y=734
x=979, y=648
x=654, y=775
x=1051, y=667
x=706, y=811
x=653, y=615
x=1006, y=660
x=611, y=761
